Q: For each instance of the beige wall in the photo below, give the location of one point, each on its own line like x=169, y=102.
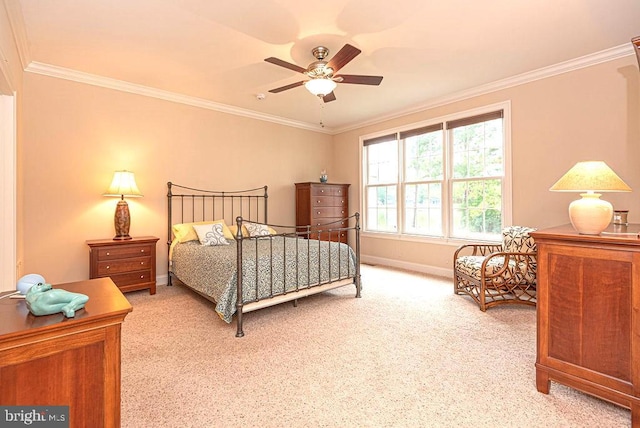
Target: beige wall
x=588, y=114
x=76, y=135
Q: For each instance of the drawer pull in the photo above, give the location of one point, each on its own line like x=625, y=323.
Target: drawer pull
x=318, y=212
x=108, y=267
x=142, y=263
x=318, y=202
x=141, y=276
x=322, y=191
x=142, y=251
x=108, y=253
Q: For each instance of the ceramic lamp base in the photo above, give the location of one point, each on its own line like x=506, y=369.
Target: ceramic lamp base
x=590, y=215
x=122, y=221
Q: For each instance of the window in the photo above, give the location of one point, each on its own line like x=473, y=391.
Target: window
x=447, y=179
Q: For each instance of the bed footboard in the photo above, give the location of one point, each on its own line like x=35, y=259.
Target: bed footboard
x=341, y=276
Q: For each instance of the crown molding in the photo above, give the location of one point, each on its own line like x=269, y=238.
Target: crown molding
x=133, y=88
x=18, y=28
x=542, y=73
x=520, y=79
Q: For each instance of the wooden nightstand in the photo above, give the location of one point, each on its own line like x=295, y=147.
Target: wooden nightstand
x=130, y=264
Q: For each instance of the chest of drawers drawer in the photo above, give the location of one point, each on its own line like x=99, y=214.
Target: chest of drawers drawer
x=130, y=264
x=324, y=212
x=328, y=201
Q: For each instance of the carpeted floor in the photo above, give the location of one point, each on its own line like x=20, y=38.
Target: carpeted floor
x=409, y=353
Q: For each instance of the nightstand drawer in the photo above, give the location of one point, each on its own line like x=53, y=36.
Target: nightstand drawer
x=139, y=277
x=108, y=267
x=121, y=252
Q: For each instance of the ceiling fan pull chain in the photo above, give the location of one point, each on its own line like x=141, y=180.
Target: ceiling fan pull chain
x=321, y=111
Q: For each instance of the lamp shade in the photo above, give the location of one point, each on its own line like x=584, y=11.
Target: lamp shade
x=595, y=176
x=123, y=184
x=320, y=87
x=590, y=215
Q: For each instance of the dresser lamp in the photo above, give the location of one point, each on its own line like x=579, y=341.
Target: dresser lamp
x=590, y=215
x=123, y=184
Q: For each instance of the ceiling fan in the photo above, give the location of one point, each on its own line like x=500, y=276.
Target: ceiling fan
x=322, y=78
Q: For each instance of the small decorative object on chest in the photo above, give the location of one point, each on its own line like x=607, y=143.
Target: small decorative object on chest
x=42, y=299
x=620, y=217
x=323, y=176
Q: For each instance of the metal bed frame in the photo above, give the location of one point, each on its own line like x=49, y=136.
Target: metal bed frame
x=192, y=205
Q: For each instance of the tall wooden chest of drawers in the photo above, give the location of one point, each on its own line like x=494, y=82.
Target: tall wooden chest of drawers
x=131, y=264
x=323, y=206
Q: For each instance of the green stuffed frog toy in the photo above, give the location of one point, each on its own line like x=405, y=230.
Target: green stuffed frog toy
x=42, y=299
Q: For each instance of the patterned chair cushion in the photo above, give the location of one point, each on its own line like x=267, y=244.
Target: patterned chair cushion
x=471, y=265
x=516, y=239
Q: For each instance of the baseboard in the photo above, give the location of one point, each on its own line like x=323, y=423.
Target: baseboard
x=162, y=280
x=399, y=264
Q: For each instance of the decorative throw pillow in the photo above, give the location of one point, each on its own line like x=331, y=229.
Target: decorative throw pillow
x=185, y=232
x=211, y=234
x=256, y=229
x=245, y=233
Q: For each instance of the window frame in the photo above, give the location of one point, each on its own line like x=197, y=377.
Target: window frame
x=448, y=180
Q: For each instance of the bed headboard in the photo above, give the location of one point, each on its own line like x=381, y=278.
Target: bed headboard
x=186, y=205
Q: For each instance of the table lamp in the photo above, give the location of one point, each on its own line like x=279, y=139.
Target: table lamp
x=123, y=184
x=590, y=215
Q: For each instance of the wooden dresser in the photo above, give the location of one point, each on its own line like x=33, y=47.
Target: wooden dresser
x=589, y=313
x=320, y=203
x=131, y=264
x=56, y=361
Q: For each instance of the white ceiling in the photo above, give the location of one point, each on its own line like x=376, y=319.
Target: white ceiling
x=213, y=51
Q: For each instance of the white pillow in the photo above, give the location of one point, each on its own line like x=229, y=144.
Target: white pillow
x=211, y=234
x=256, y=229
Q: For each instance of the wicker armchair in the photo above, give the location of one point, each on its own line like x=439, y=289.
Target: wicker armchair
x=495, y=274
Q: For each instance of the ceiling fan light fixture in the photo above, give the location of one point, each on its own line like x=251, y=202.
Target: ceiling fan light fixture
x=320, y=87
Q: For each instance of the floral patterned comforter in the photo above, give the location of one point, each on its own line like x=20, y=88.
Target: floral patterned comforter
x=270, y=266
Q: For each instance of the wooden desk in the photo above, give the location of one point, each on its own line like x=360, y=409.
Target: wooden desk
x=589, y=314
x=52, y=360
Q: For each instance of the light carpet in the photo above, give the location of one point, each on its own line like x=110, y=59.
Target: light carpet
x=409, y=353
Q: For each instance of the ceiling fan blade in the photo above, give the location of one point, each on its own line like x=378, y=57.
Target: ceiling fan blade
x=329, y=97
x=286, y=64
x=358, y=79
x=284, y=88
x=344, y=55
